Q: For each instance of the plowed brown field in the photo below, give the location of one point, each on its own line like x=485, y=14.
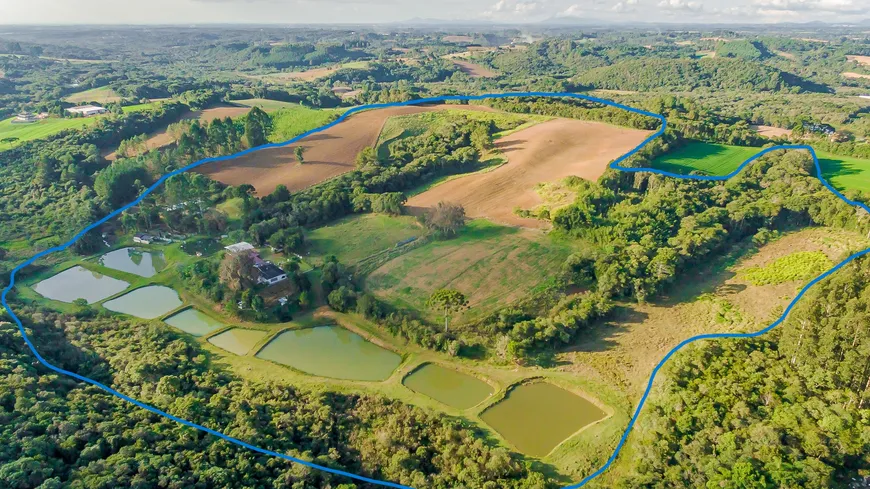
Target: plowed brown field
x=545, y=152
x=327, y=154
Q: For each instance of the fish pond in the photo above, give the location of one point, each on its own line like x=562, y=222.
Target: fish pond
x=331, y=351
x=237, y=340
x=146, y=303
x=134, y=260
x=448, y=386
x=79, y=283
x=194, y=322
x=536, y=417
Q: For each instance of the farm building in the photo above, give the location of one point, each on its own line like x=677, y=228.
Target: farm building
x=87, y=110
x=25, y=118
x=142, y=238
x=270, y=274
x=239, y=247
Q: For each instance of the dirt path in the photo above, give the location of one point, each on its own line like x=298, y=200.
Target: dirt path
x=545, y=152
x=327, y=154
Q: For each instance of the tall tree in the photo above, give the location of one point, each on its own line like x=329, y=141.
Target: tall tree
x=447, y=301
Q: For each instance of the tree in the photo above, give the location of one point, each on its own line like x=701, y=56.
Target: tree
x=448, y=301
x=445, y=218
x=256, y=127
x=298, y=151
x=237, y=270
x=367, y=157
x=390, y=203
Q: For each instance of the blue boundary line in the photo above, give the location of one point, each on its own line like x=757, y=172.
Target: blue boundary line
x=615, y=165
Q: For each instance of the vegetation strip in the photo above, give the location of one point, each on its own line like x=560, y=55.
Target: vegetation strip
x=615, y=165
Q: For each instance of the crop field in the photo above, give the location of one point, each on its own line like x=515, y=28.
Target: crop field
x=356, y=237
x=845, y=172
x=712, y=159
x=307, y=75
x=12, y=135
x=100, y=95
x=492, y=265
x=327, y=154
x=545, y=152
x=474, y=70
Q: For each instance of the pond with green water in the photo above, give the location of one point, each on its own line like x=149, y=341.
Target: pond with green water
x=536, y=417
x=147, y=302
x=331, y=351
x=194, y=322
x=79, y=283
x=134, y=260
x=448, y=386
x=237, y=340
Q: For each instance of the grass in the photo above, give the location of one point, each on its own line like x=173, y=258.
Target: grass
x=20, y=133
x=711, y=159
x=354, y=238
x=802, y=265
x=295, y=119
x=138, y=107
x=100, y=95
x=492, y=265
x=266, y=104
x=845, y=172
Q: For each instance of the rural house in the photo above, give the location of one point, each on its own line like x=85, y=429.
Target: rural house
x=86, y=110
x=239, y=247
x=141, y=238
x=270, y=274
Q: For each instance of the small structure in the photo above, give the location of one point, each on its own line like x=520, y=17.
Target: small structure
x=241, y=247
x=25, y=118
x=87, y=110
x=270, y=274
x=142, y=238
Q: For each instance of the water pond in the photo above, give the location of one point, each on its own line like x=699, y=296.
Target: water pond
x=448, y=386
x=134, y=260
x=79, y=283
x=146, y=303
x=331, y=351
x=237, y=340
x=194, y=322
x=536, y=417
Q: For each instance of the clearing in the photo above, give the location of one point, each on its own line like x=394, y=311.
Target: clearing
x=353, y=238
x=712, y=159
x=845, y=172
x=327, y=154
x=12, y=135
x=474, y=70
x=267, y=105
x=861, y=60
x=771, y=131
x=307, y=75
x=492, y=265
x=850, y=74
x=100, y=95
x=545, y=152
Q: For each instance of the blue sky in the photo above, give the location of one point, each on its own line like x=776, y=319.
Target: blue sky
x=372, y=11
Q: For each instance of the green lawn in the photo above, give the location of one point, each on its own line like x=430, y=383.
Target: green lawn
x=356, y=237
x=712, y=159
x=845, y=172
x=100, y=95
x=20, y=133
x=492, y=265
x=266, y=104
x=295, y=119
x=139, y=107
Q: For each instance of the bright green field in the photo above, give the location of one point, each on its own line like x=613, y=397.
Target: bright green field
x=492, y=265
x=100, y=94
x=36, y=130
x=295, y=119
x=354, y=238
x=712, y=159
x=139, y=107
x=266, y=104
x=845, y=172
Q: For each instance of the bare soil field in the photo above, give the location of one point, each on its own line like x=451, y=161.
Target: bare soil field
x=770, y=131
x=327, y=154
x=850, y=74
x=784, y=54
x=457, y=39
x=474, y=70
x=161, y=138
x=863, y=60
x=545, y=152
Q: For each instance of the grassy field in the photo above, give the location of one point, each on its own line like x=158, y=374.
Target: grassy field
x=802, y=265
x=266, y=104
x=354, y=238
x=845, y=172
x=139, y=107
x=100, y=95
x=291, y=120
x=712, y=159
x=44, y=128
x=492, y=265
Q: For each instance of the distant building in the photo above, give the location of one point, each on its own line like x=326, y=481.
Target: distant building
x=142, y=238
x=25, y=118
x=270, y=274
x=87, y=110
x=240, y=247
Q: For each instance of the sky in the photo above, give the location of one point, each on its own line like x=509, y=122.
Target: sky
x=375, y=11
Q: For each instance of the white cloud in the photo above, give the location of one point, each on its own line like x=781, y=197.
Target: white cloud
x=625, y=6
x=792, y=7
x=689, y=5
x=515, y=9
